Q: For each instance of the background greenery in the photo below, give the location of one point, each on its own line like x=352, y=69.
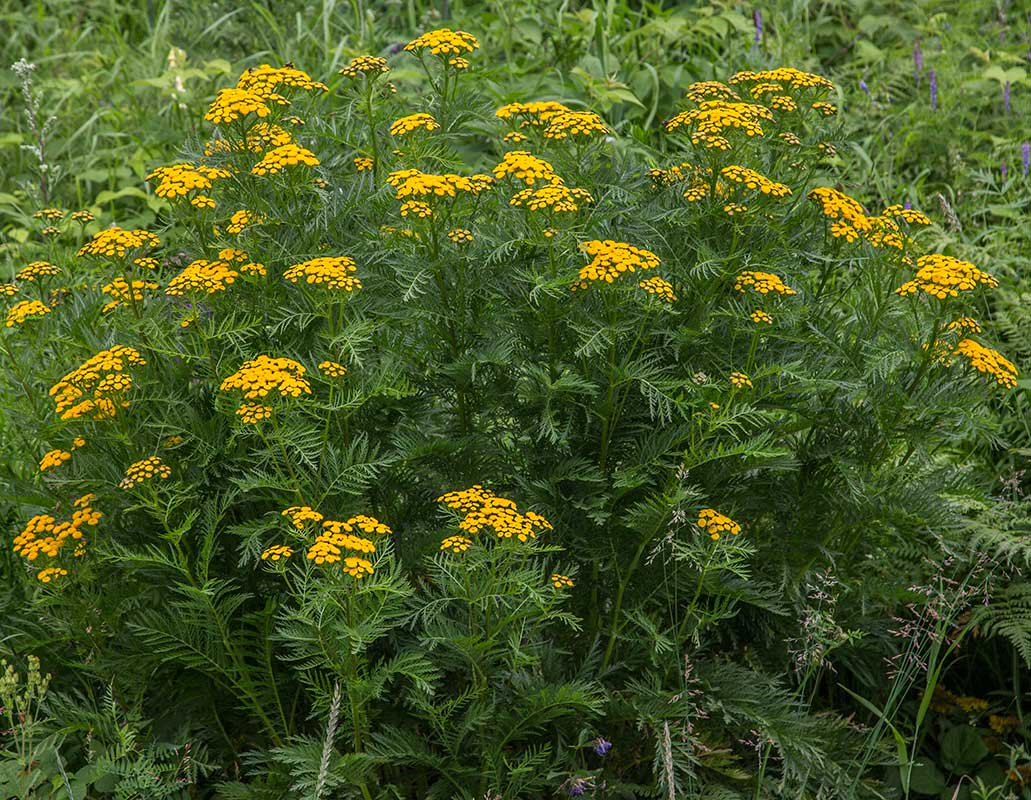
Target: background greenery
x=122, y=89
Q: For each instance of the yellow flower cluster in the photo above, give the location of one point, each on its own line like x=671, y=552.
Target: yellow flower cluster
x=179, y=180
x=526, y=167
x=827, y=109
x=456, y=544
x=55, y=458
x=230, y=105
x=331, y=369
x=659, y=287
x=575, y=123
x=413, y=122
x=25, y=309
x=761, y=282
x=253, y=413
x=484, y=509
x=286, y=155
x=8, y=290
x=795, y=78
x=783, y=102
x=144, y=470
x=50, y=214
x=416, y=208
x=202, y=277
x=460, y=236
x=122, y=293
x=363, y=164
x=611, y=259
x=989, y=361
x=413, y=183
x=51, y=574
x=365, y=65
x=262, y=375
x=561, y=581
x=964, y=324
x=276, y=552
x=751, y=179
x=715, y=523
x=910, y=215
x=37, y=269
x=264, y=80
x=444, y=42
x=43, y=534
x=536, y=114
x=790, y=138
x=83, y=216
x=945, y=276
x=710, y=90
x=115, y=242
x=555, y=196
x=241, y=219
x=331, y=272
x=760, y=317
x=732, y=209
x=740, y=381
x=713, y=118
x=95, y=387
x=302, y=516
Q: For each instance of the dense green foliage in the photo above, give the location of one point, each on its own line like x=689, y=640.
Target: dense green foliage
x=741, y=557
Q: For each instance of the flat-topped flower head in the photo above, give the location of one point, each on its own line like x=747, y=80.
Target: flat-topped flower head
x=24, y=310
x=536, y=114
x=740, y=381
x=202, y=277
x=964, y=325
x=560, y=581
x=53, y=459
x=989, y=362
x=264, y=80
x=555, y=197
x=760, y=317
x=526, y=167
x=331, y=369
x=49, y=214
x=659, y=287
x=124, y=293
x=370, y=66
x=276, y=552
x=35, y=270
x=83, y=216
x=460, y=235
x=762, y=283
x=575, y=123
x=328, y=272
x=279, y=158
x=713, y=118
x=302, y=517
x=944, y=276
x=234, y=104
x=611, y=259
x=787, y=76
x=910, y=215
x=116, y=243
x=444, y=42
x=413, y=122
x=363, y=164
x=265, y=375
x=755, y=181
x=8, y=289
x=253, y=413
x=411, y=183
x=827, y=109
x=456, y=544
x=710, y=90
x=357, y=568
x=96, y=388
x=485, y=510
x=50, y=574
x=144, y=470
x=179, y=180
x=416, y=208
x=714, y=523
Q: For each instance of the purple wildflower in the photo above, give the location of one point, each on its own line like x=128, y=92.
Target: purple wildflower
x=864, y=87
x=757, y=16
x=1006, y=96
x=577, y=788
x=933, y=79
x=918, y=60
x=602, y=746
x=907, y=206
x=1025, y=157
x=1004, y=170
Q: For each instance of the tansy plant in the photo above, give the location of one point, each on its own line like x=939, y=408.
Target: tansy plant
x=484, y=436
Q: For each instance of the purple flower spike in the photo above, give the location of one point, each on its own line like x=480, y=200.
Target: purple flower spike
x=757, y=16
x=864, y=87
x=1025, y=157
x=577, y=788
x=918, y=60
x=1004, y=170
x=602, y=746
x=1006, y=96
x=933, y=79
